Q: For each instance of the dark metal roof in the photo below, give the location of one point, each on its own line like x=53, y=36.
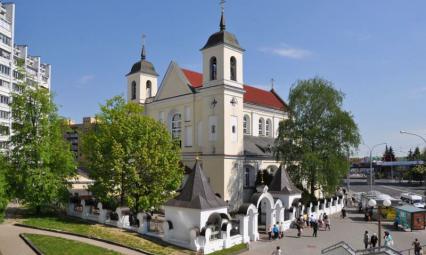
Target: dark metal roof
x=258, y=146
x=222, y=37
x=243, y=208
x=282, y=184
x=197, y=192
x=144, y=67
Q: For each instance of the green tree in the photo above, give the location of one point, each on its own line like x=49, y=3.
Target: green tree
x=3, y=185
x=416, y=154
x=40, y=159
x=315, y=141
x=131, y=157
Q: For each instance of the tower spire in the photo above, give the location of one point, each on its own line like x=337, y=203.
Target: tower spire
x=143, y=52
x=222, y=25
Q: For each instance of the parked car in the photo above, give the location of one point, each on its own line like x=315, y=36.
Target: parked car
x=413, y=199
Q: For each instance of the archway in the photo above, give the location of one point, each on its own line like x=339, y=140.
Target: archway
x=266, y=211
x=279, y=211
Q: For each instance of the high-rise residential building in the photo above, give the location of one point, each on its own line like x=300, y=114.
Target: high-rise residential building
x=73, y=136
x=13, y=56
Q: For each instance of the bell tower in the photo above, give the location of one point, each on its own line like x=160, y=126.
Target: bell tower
x=142, y=79
x=222, y=58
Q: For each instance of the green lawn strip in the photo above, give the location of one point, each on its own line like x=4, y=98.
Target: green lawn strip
x=50, y=245
x=233, y=250
x=116, y=235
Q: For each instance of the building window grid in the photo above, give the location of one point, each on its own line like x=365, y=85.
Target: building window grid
x=4, y=115
x=4, y=99
x=268, y=128
x=176, y=126
x=4, y=69
x=246, y=124
x=261, y=126
x=5, y=39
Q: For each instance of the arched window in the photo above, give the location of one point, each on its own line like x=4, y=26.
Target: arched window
x=148, y=88
x=133, y=96
x=261, y=127
x=176, y=125
x=246, y=124
x=213, y=68
x=268, y=127
x=233, y=69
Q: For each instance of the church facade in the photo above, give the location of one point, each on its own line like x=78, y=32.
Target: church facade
x=229, y=125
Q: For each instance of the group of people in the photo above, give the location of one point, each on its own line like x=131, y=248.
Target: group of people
x=372, y=241
x=323, y=221
x=276, y=231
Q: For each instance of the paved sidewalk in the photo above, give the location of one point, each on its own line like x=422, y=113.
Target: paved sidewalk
x=12, y=244
x=350, y=230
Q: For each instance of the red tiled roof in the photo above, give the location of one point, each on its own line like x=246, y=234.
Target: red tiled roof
x=253, y=95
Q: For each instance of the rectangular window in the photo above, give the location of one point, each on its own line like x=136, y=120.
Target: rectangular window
x=4, y=115
x=4, y=69
x=212, y=128
x=234, y=128
x=247, y=177
x=4, y=83
x=3, y=145
x=4, y=99
x=4, y=54
x=4, y=130
x=5, y=39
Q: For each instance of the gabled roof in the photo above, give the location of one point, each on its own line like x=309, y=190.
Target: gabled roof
x=197, y=193
x=282, y=184
x=253, y=95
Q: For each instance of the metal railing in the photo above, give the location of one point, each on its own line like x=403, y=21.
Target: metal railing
x=411, y=251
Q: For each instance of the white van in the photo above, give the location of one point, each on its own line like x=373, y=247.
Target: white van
x=413, y=199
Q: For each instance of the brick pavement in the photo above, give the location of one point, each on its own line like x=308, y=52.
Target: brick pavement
x=350, y=230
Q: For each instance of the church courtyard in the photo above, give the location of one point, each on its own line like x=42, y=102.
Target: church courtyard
x=350, y=229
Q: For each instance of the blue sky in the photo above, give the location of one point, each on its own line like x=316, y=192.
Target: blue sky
x=373, y=51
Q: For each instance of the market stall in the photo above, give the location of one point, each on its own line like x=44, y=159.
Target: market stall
x=410, y=217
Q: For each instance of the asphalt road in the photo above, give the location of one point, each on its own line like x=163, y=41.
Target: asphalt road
x=392, y=188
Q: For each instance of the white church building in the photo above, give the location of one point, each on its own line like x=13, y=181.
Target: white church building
x=229, y=125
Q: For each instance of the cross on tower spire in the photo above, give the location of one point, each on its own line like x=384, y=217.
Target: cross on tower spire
x=222, y=25
x=143, y=52
x=272, y=83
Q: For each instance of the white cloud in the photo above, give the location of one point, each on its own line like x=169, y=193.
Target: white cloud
x=84, y=80
x=289, y=52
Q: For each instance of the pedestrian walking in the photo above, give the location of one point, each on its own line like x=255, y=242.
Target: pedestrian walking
x=270, y=232
x=299, y=225
x=366, y=239
x=373, y=240
x=417, y=247
x=281, y=228
x=326, y=222
x=277, y=251
x=315, y=228
x=343, y=212
x=388, y=239
x=276, y=231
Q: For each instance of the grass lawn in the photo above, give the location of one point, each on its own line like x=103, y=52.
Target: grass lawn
x=50, y=245
x=231, y=250
x=107, y=233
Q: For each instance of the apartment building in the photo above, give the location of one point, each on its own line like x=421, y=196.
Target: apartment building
x=13, y=56
x=73, y=136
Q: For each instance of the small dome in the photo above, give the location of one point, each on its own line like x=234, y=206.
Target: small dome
x=144, y=67
x=222, y=37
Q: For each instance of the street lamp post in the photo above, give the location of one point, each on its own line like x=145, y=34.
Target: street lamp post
x=371, y=162
x=424, y=140
x=373, y=203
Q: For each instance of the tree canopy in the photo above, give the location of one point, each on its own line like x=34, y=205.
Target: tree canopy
x=40, y=159
x=314, y=142
x=131, y=157
x=388, y=155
